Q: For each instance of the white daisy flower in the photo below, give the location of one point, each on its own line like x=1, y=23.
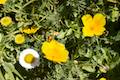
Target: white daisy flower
x=29, y=58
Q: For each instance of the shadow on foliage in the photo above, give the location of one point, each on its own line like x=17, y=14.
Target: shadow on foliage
x=114, y=74
x=38, y=73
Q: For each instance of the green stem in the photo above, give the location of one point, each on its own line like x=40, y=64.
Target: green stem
x=28, y=3
x=97, y=41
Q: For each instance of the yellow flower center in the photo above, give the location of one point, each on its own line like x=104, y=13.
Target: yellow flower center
x=29, y=58
x=5, y=21
x=19, y=39
x=91, y=28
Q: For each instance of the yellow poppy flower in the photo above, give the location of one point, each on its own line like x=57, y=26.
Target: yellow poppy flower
x=55, y=51
x=19, y=39
x=93, y=26
x=102, y=79
x=28, y=30
x=2, y=1
x=5, y=21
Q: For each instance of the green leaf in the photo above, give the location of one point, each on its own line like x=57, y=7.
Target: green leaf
x=12, y=68
x=1, y=76
x=69, y=32
x=1, y=36
x=17, y=78
x=117, y=37
x=89, y=68
x=20, y=24
x=77, y=34
x=113, y=1
x=115, y=14
x=61, y=35
x=8, y=77
x=9, y=73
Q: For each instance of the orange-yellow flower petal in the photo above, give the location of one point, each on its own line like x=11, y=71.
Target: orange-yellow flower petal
x=2, y=1
x=99, y=31
x=87, y=31
x=28, y=30
x=34, y=29
x=87, y=19
x=55, y=51
x=46, y=49
x=99, y=20
x=92, y=31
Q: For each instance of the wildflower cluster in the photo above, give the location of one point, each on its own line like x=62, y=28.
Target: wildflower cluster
x=59, y=39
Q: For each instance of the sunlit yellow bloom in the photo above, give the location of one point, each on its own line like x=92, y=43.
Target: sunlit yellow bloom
x=2, y=1
x=55, y=51
x=5, y=21
x=19, y=39
x=29, y=58
x=102, y=79
x=93, y=26
x=28, y=30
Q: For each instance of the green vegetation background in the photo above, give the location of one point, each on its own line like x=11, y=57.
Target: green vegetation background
x=87, y=55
